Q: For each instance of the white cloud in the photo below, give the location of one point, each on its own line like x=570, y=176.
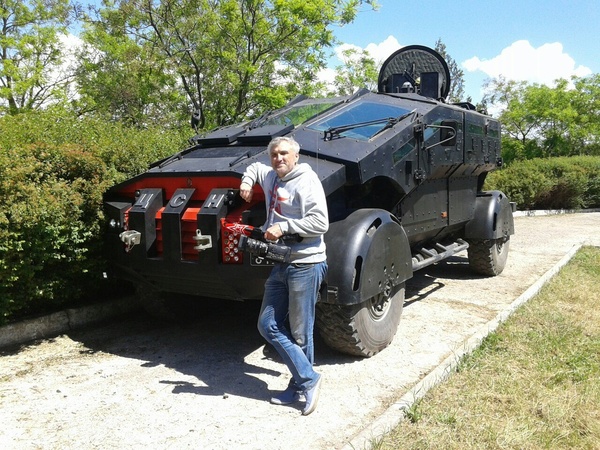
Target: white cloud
x=340, y=49
x=70, y=42
x=382, y=51
x=64, y=73
x=522, y=62
x=327, y=76
x=379, y=52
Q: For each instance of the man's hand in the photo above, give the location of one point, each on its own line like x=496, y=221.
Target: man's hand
x=246, y=191
x=273, y=233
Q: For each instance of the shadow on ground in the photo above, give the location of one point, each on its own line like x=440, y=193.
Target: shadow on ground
x=209, y=354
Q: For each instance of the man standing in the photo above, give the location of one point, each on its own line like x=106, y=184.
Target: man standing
x=296, y=205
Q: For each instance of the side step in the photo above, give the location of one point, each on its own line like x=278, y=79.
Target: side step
x=427, y=256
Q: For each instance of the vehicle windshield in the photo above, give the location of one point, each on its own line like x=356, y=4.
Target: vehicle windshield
x=300, y=112
x=363, y=114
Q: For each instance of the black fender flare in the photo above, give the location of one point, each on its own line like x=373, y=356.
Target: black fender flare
x=493, y=217
x=367, y=252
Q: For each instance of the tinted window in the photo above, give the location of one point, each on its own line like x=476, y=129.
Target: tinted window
x=359, y=113
x=301, y=112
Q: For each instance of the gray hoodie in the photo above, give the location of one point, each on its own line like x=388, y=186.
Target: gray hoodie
x=298, y=205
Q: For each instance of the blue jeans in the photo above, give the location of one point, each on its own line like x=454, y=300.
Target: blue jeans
x=287, y=317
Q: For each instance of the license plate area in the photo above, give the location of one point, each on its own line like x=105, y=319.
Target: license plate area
x=260, y=261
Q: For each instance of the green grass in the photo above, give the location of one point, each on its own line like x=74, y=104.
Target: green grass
x=532, y=384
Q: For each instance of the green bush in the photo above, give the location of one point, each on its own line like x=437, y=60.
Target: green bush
x=54, y=169
x=49, y=223
x=550, y=183
x=124, y=151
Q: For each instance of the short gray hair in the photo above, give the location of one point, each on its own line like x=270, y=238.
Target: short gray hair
x=279, y=139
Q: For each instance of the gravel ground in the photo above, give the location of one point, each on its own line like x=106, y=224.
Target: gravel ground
x=136, y=383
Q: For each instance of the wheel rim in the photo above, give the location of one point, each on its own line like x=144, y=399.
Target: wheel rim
x=379, y=305
x=500, y=246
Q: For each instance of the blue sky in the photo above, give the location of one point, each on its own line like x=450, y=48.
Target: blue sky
x=535, y=41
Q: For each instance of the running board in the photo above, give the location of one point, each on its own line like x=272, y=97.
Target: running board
x=427, y=256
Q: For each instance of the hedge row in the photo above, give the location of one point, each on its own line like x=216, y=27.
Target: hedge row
x=53, y=171
x=550, y=183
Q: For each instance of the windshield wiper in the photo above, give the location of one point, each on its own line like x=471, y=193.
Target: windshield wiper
x=334, y=132
x=394, y=121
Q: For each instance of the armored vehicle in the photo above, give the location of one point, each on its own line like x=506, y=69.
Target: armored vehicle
x=403, y=173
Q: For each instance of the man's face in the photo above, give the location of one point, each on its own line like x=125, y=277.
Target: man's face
x=283, y=159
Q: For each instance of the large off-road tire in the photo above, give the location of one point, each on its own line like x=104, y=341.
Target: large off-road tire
x=488, y=256
x=364, y=329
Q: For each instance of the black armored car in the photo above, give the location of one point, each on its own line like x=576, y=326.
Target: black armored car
x=403, y=172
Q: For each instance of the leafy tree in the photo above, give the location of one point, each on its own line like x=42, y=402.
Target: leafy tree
x=457, y=83
x=519, y=124
x=123, y=80
x=586, y=100
x=557, y=118
x=230, y=58
x=30, y=55
x=542, y=121
x=359, y=71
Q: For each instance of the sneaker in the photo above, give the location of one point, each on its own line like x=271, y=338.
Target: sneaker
x=312, y=397
x=287, y=397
